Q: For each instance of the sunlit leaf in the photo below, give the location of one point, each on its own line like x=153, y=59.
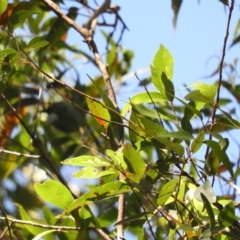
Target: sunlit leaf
x=87, y=161
x=207, y=190
x=55, y=193
x=140, y=98
x=100, y=113
x=3, y=6
x=163, y=62
x=91, y=172
x=227, y=216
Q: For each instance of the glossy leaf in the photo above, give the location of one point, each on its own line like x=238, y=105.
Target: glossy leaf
x=55, y=193
x=87, y=161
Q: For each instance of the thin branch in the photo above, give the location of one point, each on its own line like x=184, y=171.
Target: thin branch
x=98, y=11
x=19, y=154
x=7, y=222
x=215, y=106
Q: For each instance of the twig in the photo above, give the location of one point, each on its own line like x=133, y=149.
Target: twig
x=7, y=222
x=19, y=154
x=215, y=105
x=98, y=11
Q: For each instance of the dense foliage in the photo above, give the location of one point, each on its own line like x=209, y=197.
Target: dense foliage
x=146, y=169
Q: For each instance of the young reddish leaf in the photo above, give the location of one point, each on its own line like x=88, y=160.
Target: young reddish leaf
x=55, y=193
x=99, y=112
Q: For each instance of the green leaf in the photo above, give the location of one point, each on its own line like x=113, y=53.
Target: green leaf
x=3, y=6
x=136, y=217
x=91, y=172
x=19, y=18
x=227, y=216
x=176, y=147
x=41, y=235
x=162, y=71
x=100, y=113
x=204, y=93
x=141, y=98
x=37, y=42
x=221, y=154
x=4, y=53
x=111, y=189
x=87, y=161
x=163, y=62
x=24, y=216
x=117, y=158
x=212, y=163
x=166, y=191
x=183, y=135
x=135, y=163
x=55, y=193
x=209, y=209
x=197, y=143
